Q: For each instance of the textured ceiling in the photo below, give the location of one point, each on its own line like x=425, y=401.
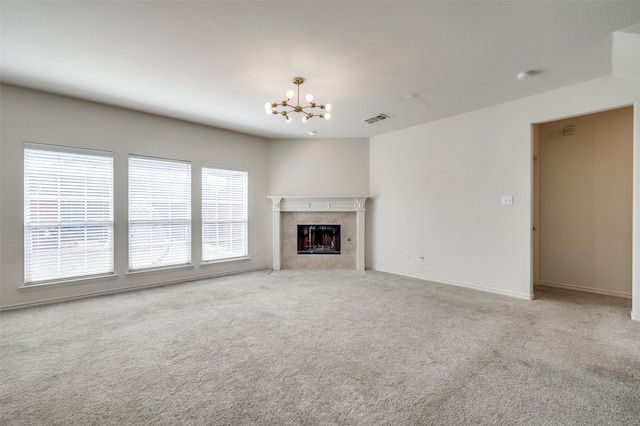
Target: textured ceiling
x=218, y=62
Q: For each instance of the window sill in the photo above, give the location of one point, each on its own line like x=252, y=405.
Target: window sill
x=66, y=282
x=158, y=270
x=231, y=259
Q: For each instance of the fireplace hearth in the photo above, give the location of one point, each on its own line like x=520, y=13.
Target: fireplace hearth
x=318, y=239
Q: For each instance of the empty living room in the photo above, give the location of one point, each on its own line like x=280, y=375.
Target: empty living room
x=320, y=213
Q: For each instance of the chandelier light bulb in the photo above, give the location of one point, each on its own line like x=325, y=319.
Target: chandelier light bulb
x=292, y=104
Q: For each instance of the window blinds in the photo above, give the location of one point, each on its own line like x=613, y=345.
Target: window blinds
x=68, y=212
x=159, y=212
x=224, y=213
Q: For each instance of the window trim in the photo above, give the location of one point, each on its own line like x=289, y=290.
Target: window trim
x=63, y=282
x=67, y=149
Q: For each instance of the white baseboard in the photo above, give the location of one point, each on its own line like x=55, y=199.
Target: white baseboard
x=585, y=289
x=132, y=288
x=635, y=316
x=457, y=284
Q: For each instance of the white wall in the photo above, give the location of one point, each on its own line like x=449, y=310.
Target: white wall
x=635, y=262
x=44, y=118
x=625, y=53
x=437, y=190
x=319, y=167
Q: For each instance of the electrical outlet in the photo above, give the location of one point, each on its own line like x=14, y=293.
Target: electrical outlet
x=407, y=256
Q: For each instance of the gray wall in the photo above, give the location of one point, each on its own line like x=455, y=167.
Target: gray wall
x=44, y=118
x=319, y=167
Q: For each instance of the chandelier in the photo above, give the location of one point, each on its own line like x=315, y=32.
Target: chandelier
x=270, y=108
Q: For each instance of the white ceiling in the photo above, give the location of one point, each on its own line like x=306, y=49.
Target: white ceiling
x=218, y=62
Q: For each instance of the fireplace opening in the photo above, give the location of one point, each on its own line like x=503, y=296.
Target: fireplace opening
x=318, y=239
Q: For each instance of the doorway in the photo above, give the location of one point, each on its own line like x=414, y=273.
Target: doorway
x=583, y=202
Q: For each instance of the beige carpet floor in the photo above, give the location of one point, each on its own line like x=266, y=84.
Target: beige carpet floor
x=321, y=349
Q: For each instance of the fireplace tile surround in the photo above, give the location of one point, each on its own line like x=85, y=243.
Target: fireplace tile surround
x=289, y=212
x=289, y=240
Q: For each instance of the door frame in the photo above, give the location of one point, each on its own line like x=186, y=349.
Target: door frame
x=635, y=245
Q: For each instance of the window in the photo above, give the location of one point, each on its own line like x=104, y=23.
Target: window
x=159, y=212
x=224, y=214
x=68, y=213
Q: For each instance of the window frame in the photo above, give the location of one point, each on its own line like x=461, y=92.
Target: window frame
x=171, y=224
x=74, y=197
x=243, y=221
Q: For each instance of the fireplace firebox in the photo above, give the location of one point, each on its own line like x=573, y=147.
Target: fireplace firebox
x=318, y=239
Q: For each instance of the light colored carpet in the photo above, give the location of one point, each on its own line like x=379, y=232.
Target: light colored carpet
x=315, y=349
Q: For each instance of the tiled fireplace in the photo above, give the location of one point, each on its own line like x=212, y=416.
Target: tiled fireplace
x=344, y=213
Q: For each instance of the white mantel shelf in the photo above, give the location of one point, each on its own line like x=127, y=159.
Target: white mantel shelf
x=319, y=204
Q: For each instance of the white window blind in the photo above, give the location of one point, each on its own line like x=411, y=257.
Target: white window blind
x=68, y=213
x=159, y=212
x=224, y=213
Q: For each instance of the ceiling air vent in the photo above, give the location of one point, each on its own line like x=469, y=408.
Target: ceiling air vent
x=375, y=118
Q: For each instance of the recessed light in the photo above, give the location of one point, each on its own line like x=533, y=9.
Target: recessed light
x=312, y=132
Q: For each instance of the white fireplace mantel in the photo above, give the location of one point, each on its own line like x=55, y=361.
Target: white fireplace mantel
x=319, y=204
